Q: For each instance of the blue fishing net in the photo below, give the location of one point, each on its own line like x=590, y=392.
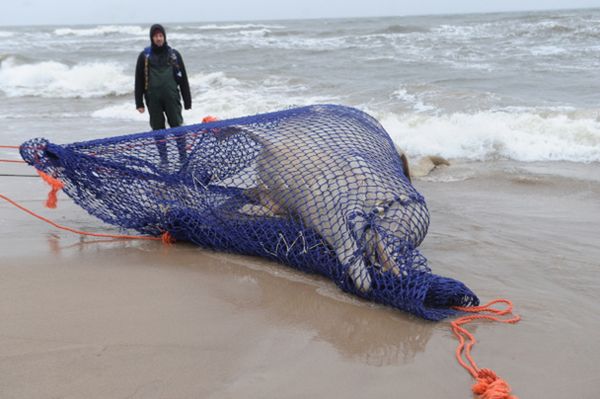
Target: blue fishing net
x=320, y=188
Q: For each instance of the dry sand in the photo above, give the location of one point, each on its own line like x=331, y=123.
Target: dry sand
x=125, y=319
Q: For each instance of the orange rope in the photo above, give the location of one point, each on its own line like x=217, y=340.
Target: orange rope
x=209, y=118
x=488, y=385
x=12, y=161
x=55, y=184
x=165, y=237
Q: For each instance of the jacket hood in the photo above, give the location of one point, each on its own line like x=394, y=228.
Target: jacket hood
x=158, y=28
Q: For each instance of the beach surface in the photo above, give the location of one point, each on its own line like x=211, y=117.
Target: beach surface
x=97, y=318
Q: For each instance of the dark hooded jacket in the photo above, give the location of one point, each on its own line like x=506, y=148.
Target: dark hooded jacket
x=160, y=56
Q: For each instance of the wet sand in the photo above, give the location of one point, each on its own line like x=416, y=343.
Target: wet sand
x=125, y=319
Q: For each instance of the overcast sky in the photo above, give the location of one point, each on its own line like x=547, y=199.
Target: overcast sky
x=62, y=12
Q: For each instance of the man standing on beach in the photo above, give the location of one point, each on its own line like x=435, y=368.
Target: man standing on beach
x=159, y=76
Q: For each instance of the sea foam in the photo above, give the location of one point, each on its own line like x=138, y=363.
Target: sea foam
x=54, y=79
x=224, y=96
x=102, y=30
x=487, y=135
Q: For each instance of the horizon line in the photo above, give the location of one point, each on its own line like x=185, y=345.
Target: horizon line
x=304, y=19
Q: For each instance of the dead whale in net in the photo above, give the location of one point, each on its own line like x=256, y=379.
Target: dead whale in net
x=301, y=174
x=320, y=188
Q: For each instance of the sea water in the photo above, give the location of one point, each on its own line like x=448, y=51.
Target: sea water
x=517, y=86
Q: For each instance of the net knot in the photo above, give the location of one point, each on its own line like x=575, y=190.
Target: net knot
x=366, y=221
x=489, y=386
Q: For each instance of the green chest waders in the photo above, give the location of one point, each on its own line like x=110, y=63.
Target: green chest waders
x=163, y=98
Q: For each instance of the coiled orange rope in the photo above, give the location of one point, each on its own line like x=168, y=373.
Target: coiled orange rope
x=488, y=385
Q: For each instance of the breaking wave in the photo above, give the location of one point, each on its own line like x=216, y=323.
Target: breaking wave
x=54, y=79
x=522, y=135
x=102, y=30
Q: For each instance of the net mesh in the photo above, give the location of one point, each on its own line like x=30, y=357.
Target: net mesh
x=320, y=188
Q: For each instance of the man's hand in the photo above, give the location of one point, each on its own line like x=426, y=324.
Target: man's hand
x=141, y=110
